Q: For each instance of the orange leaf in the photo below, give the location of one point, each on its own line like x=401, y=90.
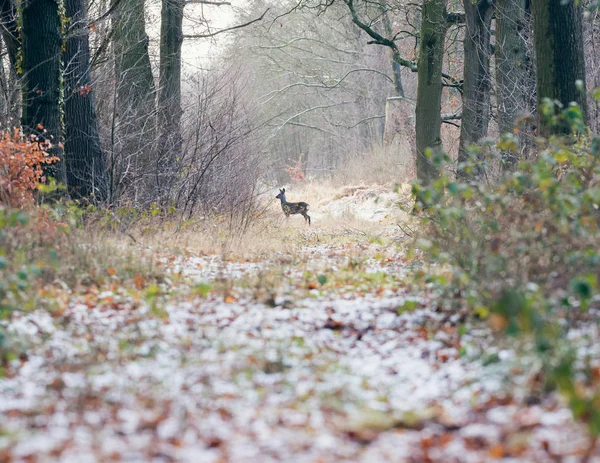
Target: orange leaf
x=496, y=451
x=111, y=271
x=498, y=322
x=139, y=282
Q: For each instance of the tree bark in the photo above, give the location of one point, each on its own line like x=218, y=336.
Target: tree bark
x=396, y=68
x=86, y=168
x=10, y=34
x=10, y=84
x=514, y=66
x=429, y=91
x=42, y=92
x=136, y=118
x=477, y=79
x=169, y=94
x=559, y=56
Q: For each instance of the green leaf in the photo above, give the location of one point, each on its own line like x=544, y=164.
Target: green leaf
x=408, y=306
x=482, y=312
x=203, y=289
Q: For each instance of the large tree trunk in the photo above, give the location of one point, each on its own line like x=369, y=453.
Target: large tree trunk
x=86, y=167
x=559, y=55
x=136, y=118
x=429, y=91
x=42, y=93
x=477, y=79
x=514, y=66
x=169, y=94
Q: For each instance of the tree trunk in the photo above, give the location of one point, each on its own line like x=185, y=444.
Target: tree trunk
x=42, y=92
x=9, y=85
x=477, y=79
x=136, y=118
x=559, y=56
x=429, y=90
x=169, y=94
x=10, y=34
x=86, y=167
x=396, y=68
x=514, y=66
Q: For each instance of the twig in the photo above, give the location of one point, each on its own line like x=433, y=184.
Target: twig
x=405, y=232
x=227, y=29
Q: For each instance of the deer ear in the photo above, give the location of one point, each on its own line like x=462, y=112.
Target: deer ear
x=283, y=191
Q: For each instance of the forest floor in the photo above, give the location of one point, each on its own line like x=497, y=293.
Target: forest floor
x=321, y=350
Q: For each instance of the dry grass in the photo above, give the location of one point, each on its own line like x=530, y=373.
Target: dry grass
x=381, y=165
x=367, y=213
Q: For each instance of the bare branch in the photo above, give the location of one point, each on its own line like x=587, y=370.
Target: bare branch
x=227, y=29
x=451, y=123
x=309, y=39
x=378, y=39
x=446, y=118
x=313, y=127
x=366, y=119
x=455, y=18
x=314, y=108
x=207, y=2
x=274, y=93
x=451, y=117
x=105, y=14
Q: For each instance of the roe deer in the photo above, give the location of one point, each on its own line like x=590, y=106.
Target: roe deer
x=293, y=208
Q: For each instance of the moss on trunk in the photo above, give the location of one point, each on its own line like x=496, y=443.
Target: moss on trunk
x=429, y=90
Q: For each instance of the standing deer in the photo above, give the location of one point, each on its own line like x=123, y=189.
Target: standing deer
x=293, y=208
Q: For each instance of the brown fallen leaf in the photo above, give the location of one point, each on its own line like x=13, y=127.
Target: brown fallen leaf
x=496, y=451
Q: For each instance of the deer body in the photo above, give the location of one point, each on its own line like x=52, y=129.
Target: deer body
x=293, y=208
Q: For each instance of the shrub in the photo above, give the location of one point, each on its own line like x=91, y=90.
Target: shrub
x=21, y=167
x=524, y=250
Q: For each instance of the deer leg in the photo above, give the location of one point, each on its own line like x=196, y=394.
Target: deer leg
x=306, y=217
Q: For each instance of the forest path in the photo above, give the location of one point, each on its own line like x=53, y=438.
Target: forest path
x=327, y=354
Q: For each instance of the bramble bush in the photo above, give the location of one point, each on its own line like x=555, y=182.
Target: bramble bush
x=46, y=246
x=21, y=173
x=523, y=252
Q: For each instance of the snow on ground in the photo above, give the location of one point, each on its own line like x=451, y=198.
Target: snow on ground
x=211, y=267
x=326, y=355
x=333, y=377
x=366, y=203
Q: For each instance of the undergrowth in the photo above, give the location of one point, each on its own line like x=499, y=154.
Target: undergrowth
x=523, y=252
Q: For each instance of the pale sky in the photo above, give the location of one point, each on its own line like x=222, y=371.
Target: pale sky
x=196, y=52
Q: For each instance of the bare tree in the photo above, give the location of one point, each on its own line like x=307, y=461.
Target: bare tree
x=169, y=93
x=396, y=67
x=477, y=77
x=515, y=79
x=135, y=109
x=321, y=89
x=10, y=34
